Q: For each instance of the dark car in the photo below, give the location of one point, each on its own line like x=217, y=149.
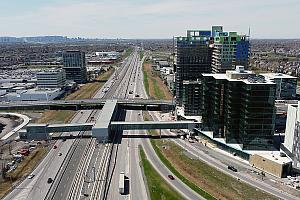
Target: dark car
x=50, y=180
x=232, y=168
x=55, y=147
x=171, y=177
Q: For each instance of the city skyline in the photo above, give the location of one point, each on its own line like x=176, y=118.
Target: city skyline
x=144, y=20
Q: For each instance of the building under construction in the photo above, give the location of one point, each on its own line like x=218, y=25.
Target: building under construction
x=193, y=57
x=229, y=50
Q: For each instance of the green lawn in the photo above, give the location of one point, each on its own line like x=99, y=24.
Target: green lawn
x=158, y=188
x=201, y=177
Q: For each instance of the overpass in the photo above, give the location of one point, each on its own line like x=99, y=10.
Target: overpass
x=87, y=104
x=42, y=131
x=104, y=124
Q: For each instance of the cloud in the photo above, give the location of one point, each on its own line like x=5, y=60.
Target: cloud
x=155, y=19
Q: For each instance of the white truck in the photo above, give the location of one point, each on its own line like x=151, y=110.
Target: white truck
x=122, y=183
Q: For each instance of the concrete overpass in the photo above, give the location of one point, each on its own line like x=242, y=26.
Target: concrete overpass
x=42, y=131
x=86, y=104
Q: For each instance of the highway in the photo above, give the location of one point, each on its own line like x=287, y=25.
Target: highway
x=220, y=161
x=54, y=166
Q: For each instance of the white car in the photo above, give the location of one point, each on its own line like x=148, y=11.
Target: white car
x=31, y=176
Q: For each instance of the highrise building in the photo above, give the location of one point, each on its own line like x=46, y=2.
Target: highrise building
x=193, y=57
x=240, y=106
x=74, y=65
x=229, y=50
x=54, y=78
x=291, y=143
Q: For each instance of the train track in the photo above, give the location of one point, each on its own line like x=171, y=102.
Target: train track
x=102, y=171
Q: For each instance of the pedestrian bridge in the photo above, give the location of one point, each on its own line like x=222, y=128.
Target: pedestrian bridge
x=42, y=131
x=88, y=104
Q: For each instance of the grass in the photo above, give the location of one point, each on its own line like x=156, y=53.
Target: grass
x=158, y=188
x=154, y=85
x=24, y=168
x=56, y=116
x=201, y=177
x=141, y=54
x=89, y=90
x=127, y=53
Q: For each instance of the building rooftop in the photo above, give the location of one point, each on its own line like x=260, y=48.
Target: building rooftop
x=277, y=75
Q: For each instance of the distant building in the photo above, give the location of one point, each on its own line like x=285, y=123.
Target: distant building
x=33, y=95
x=74, y=66
x=192, y=98
x=291, y=143
x=193, y=57
x=55, y=78
x=229, y=49
x=286, y=85
x=240, y=106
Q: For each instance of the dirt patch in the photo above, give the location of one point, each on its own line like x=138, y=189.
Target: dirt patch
x=157, y=88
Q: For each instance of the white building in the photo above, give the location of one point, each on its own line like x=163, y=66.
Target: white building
x=291, y=143
x=33, y=95
x=54, y=78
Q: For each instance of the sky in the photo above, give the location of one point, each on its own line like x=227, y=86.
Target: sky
x=148, y=19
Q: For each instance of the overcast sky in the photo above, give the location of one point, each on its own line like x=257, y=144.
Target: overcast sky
x=148, y=19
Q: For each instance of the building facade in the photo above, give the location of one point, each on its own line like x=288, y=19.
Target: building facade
x=193, y=57
x=286, y=85
x=55, y=78
x=192, y=92
x=291, y=143
x=240, y=107
x=75, y=66
x=229, y=50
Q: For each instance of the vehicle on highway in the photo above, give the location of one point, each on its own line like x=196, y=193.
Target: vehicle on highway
x=122, y=183
x=232, y=168
x=171, y=177
x=59, y=154
x=130, y=92
x=31, y=176
x=55, y=147
x=50, y=180
x=137, y=95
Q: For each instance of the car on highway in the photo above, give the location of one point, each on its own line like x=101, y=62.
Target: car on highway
x=31, y=176
x=50, y=180
x=232, y=168
x=171, y=177
x=55, y=147
x=137, y=95
x=59, y=154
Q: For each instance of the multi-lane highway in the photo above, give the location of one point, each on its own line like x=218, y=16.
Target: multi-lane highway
x=64, y=164
x=87, y=169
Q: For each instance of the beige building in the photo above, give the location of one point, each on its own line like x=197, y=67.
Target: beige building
x=274, y=164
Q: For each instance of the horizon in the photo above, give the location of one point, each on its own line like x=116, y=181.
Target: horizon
x=268, y=19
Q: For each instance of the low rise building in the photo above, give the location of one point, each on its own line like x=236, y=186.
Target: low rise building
x=54, y=78
x=286, y=85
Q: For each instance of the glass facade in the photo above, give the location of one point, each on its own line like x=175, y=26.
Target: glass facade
x=193, y=57
x=74, y=66
x=240, y=111
x=192, y=91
